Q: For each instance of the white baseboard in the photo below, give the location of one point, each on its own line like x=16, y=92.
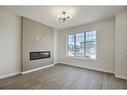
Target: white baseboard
x=89, y=68
x=121, y=77
x=9, y=75
x=36, y=69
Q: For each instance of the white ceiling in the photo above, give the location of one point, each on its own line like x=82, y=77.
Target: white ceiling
x=80, y=14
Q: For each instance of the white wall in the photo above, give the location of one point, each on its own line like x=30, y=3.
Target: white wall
x=121, y=45
x=10, y=29
x=105, y=46
x=56, y=41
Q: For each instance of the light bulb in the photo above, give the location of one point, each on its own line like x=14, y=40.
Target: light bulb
x=37, y=38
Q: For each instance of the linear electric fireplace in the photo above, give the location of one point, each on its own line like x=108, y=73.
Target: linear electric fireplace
x=39, y=55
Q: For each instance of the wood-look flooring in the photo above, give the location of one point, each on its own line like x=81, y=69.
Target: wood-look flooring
x=63, y=77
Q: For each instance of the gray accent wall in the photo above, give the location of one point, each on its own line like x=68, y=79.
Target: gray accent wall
x=36, y=37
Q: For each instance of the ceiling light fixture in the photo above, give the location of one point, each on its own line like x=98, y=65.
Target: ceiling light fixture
x=64, y=17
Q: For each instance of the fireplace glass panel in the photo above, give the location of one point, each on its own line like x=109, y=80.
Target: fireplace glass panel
x=39, y=55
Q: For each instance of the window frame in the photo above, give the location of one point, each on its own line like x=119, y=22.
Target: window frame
x=67, y=44
x=77, y=57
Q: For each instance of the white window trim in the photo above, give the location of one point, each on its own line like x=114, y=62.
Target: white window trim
x=82, y=58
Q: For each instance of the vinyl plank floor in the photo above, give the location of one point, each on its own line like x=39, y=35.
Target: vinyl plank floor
x=62, y=76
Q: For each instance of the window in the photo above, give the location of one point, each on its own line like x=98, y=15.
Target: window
x=71, y=45
x=82, y=44
x=90, y=44
x=79, y=49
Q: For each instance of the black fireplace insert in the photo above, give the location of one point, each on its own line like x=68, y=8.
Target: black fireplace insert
x=39, y=55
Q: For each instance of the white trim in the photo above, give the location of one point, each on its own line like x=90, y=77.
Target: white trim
x=82, y=58
x=121, y=77
x=94, y=69
x=36, y=69
x=9, y=75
